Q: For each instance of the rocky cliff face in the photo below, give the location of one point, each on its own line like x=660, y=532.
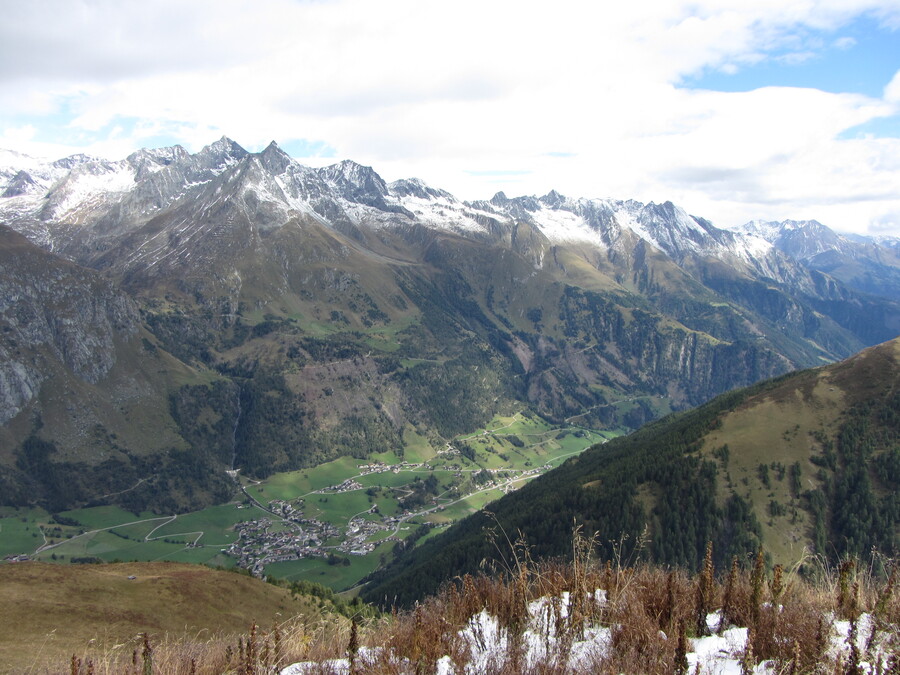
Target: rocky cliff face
x=54, y=314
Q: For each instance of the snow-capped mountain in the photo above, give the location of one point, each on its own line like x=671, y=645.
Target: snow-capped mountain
x=296, y=285
x=50, y=203
x=801, y=239
x=167, y=213
x=867, y=264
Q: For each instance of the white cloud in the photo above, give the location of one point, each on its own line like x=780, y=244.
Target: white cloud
x=845, y=42
x=892, y=90
x=417, y=87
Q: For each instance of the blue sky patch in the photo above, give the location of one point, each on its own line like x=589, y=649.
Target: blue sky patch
x=860, y=58
x=302, y=147
x=880, y=127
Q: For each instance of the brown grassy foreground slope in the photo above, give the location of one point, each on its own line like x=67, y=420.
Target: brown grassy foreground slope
x=548, y=618
x=53, y=611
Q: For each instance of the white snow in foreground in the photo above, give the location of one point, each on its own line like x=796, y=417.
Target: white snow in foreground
x=488, y=642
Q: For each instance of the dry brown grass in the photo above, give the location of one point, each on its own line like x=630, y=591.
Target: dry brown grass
x=651, y=615
x=307, y=637
x=51, y=611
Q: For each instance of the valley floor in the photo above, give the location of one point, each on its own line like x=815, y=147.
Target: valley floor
x=332, y=524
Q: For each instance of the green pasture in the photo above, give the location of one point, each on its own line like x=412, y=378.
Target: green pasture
x=464, y=507
x=293, y=484
x=21, y=533
x=337, y=577
x=417, y=448
x=216, y=523
x=387, y=506
x=385, y=458
x=99, y=517
x=381, y=535
x=337, y=508
x=389, y=479
x=107, y=546
x=139, y=530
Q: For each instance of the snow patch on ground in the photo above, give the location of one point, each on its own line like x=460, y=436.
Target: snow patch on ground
x=488, y=644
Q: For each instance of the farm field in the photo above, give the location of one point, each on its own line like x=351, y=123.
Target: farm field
x=332, y=524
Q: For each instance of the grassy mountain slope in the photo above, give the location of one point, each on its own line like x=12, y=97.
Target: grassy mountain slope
x=54, y=611
x=85, y=392
x=806, y=461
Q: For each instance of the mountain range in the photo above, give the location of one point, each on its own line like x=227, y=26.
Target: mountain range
x=866, y=264
x=170, y=316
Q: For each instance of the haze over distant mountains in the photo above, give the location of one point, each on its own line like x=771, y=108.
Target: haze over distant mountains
x=172, y=315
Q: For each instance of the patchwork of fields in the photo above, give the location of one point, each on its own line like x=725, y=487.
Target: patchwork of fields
x=332, y=524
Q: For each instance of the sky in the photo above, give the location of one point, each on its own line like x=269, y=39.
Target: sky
x=733, y=109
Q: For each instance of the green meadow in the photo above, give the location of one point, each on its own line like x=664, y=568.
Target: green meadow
x=514, y=448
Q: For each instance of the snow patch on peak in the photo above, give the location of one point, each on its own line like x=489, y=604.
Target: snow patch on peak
x=162, y=156
x=347, y=172
x=766, y=229
x=553, y=199
x=668, y=227
x=438, y=209
x=11, y=160
x=755, y=246
x=564, y=225
x=70, y=162
x=414, y=187
x=225, y=145
x=772, y=230
x=89, y=185
x=274, y=159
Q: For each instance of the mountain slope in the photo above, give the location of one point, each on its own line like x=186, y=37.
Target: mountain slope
x=64, y=608
x=84, y=390
x=805, y=462
x=298, y=314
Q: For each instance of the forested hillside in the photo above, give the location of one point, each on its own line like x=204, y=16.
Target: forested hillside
x=804, y=463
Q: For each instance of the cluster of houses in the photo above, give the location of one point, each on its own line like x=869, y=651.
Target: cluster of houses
x=347, y=486
x=259, y=544
x=359, y=531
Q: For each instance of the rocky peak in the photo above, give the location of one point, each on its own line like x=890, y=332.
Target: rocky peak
x=552, y=199
x=70, y=162
x=147, y=162
x=354, y=180
x=224, y=149
x=22, y=183
x=275, y=160
x=802, y=239
x=499, y=199
x=413, y=187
